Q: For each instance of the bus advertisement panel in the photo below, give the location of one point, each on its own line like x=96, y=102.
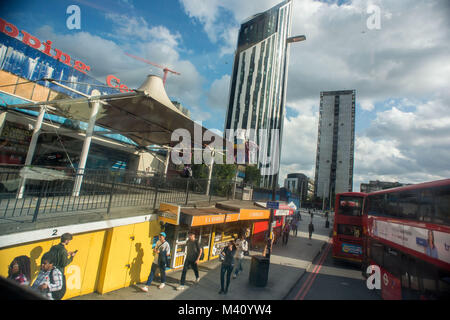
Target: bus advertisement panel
x=435, y=244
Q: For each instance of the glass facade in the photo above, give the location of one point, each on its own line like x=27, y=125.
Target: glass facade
x=259, y=75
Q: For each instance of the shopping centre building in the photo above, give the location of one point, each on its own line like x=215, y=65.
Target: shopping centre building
x=113, y=252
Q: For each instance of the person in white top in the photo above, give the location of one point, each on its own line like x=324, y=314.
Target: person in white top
x=242, y=247
x=160, y=260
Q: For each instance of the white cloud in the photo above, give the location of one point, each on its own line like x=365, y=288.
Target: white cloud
x=218, y=93
x=366, y=105
x=154, y=43
x=298, y=152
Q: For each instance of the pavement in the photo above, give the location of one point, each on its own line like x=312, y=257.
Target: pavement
x=287, y=266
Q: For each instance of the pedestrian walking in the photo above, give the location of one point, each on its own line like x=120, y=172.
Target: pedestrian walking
x=269, y=245
x=193, y=256
x=49, y=282
x=310, y=229
x=160, y=252
x=294, y=226
x=62, y=257
x=242, y=247
x=19, y=270
x=227, y=258
x=286, y=231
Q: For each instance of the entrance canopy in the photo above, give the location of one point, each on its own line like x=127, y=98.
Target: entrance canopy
x=146, y=116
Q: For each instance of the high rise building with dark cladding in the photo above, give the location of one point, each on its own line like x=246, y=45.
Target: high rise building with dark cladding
x=335, y=144
x=258, y=84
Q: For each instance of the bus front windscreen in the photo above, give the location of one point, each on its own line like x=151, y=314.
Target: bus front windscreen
x=350, y=206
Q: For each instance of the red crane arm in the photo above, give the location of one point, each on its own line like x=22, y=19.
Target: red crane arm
x=146, y=61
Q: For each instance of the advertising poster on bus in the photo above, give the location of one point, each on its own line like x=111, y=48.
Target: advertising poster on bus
x=435, y=244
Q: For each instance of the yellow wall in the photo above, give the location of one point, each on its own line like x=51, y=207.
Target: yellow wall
x=106, y=260
x=81, y=274
x=127, y=260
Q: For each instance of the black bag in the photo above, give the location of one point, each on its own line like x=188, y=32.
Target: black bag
x=58, y=295
x=202, y=256
x=162, y=258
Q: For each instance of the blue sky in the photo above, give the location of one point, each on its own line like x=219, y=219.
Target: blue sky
x=399, y=71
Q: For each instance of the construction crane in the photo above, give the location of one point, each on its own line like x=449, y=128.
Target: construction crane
x=165, y=69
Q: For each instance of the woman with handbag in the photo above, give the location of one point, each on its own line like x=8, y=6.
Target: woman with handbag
x=227, y=258
x=161, y=252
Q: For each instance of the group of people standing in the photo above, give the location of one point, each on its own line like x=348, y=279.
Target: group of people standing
x=51, y=281
x=231, y=257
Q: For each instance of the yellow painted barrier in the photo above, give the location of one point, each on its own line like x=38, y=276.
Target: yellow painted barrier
x=127, y=255
x=81, y=274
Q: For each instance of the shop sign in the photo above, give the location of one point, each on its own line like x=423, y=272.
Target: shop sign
x=207, y=219
x=232, y=217
x=46, y=47
x=169, y=213
x=282, y=212
x=252, y=214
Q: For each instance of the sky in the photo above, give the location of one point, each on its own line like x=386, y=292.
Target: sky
x=395, y=54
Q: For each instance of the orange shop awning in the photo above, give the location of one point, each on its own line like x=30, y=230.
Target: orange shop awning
x=195, y=217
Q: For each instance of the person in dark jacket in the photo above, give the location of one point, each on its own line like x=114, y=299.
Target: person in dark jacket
x=227, y=257
x=310, y=229
x=286, y=230
x=62, y=258
x=193, y=254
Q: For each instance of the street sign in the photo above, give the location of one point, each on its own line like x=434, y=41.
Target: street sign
x=272, y=204
x=282, y=212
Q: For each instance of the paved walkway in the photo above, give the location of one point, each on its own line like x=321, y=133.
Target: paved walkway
x=287, y=266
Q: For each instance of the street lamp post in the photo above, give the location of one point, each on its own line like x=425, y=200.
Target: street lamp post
x=275, y=176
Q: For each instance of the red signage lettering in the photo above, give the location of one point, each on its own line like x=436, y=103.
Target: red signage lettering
x=12, y=31
x=114, y=82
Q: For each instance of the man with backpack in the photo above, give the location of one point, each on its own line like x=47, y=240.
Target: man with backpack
x=49, y=281
x=161, y=252
x=193, y=255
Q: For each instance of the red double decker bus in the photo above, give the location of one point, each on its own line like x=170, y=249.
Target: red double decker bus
x=407, y=234
x=348, y=227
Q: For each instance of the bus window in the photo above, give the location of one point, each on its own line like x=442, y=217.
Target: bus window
x=376, y=204
x=391, y=208
x=377, y=250
x=444, y=284
x=349, y=230
x=404, y=271
x=426, y=207
x=392, y=261
x=442, y=205
x=350, y=206
x=413, y=274
x=428, y=276
x=408, y=204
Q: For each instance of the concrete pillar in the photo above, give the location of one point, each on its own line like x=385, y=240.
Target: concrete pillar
x=32, y=148
x=86, y=145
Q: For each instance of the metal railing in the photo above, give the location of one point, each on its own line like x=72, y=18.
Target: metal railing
x=101, y=190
